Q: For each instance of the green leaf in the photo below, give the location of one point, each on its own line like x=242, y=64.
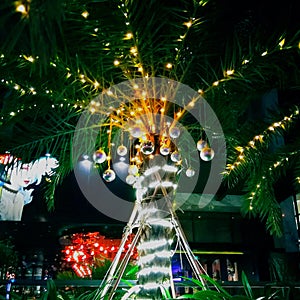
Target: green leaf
x=247, y=287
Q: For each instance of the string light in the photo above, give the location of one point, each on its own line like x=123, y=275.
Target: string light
x=169, y=66
x=85, y=14
x=188, y=24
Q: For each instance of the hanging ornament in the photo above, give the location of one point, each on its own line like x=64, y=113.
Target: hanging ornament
x=109, y=175
x=201, y=144
x=147, y=147
x=164, y=150
x=136, y=131
x=207, y=154
x=130, y=179
x=174, y=132
x=190, y=172
x=122, y=150
x=99, y=156
x=133, y=170
x=175, y=156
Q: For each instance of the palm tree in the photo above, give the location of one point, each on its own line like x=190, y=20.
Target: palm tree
x=58, y=56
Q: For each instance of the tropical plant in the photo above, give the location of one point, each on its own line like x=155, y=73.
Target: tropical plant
x=58, y=56
x=215, y=291
x=8, y=257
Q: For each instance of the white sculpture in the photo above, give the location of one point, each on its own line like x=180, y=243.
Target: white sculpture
x=13, y=192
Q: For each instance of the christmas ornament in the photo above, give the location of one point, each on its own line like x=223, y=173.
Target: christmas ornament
x=109, y=175
x=99, y=156
x=133, y=170
x=175, y=156
x=164, y=150
x=130, y=179
x=174, y=132
x=122, y=150
x=190, y=172
x=207, y=154
x=136, y=132
x=147, y=148
x=201, y=144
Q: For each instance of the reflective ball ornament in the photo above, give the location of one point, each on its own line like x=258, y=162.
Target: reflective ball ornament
x=122, y=150
x=174, y=132
x=176, y=156
x=164, y=150
x=99, y=156
x=207, y=154
x=133, y=170
x=190, y=172
x=201, y=144
x=130, y=179
x=147, y=148
x=109, y=175
x=136, y=132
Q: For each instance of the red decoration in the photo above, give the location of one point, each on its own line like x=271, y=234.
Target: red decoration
x=6, y=158
x=87, y=250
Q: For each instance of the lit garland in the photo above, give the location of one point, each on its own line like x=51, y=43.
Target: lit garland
x=261, y=140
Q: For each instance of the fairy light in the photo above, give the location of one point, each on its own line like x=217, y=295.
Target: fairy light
x=169, y=66
x=116, y=62
x=21, y=8
x=281, y=43
x=29, y=58
x=264, y=53
x=216, y=83
x=32, y=90
x=134, y=51
x=85, y=14
x=96, y=84
x=188, y=24
x=229, y=72
x=128, y=36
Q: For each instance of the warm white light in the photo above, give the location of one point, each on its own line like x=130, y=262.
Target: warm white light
x=153, y=184
x=85, y=14
x=229, y=72
x=152, y=244
x=151, y=170
x=153, y=269
x=21, y=9
x=188, y=24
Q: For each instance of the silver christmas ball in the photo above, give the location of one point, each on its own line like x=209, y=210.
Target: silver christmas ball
x=133, y=170
x=136, y=132
x=130, y=179
x=99, y=156
x=174, y=132
x=190, y=172
x=147, y=148
x=122, y=150
x=176, y=156
x=201, y=144
x=207, y=154
x=109, y=175
x=164, y=150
